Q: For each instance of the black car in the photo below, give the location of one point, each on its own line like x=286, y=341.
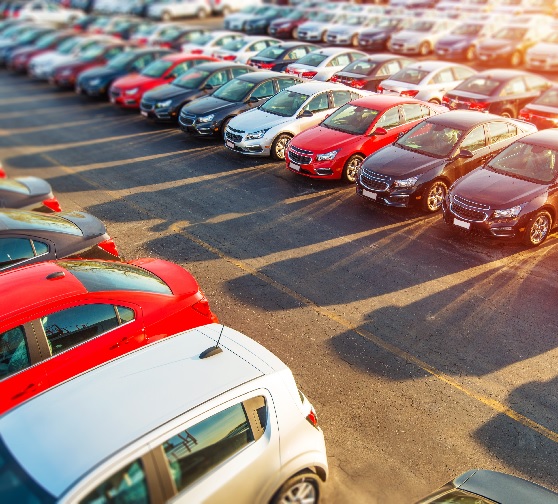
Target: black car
x=497, y=91
x=279, y=56
x=367, y=73
x=175, y=35
x=96, y=81
x=259, y=22
x=376, y=37
x=418, y=168
x=209, y=115
x=165, y=102
x=28, y=193
x=460, y=43
x=25, y=39
x=27, y=237
x=480, y=486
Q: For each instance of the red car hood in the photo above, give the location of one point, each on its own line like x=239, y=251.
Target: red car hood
x=320, y=139
x=137, y=80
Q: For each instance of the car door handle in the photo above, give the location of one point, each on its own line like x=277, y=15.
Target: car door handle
x=125, y=340
x=26, y=390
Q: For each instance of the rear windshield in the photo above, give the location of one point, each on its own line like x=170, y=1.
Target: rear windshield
x=18, y=219
x=409, y=75
x=479, y=85
x=550, y=98
x=108, y=276
x=13, y=186
x=312, y=59
x=362, y=67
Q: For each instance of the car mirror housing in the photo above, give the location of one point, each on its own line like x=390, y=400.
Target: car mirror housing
x=306, y=113
x=378, y=131
x=253, y=99
x=208, y=87
x=465, y=154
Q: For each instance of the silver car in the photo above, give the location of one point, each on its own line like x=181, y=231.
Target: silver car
x=321, y=64
x=420, y=37
x=347, y=30
x=316, y=29
x=543, y=55
x=267, y=130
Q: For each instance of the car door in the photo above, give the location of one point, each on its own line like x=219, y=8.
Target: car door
x=392, y=121
x=319, y=106
x=475, y=142
x=513, y=93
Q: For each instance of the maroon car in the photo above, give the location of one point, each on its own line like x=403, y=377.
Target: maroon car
x=287, y=27
x=543, y=112
x=50, y=42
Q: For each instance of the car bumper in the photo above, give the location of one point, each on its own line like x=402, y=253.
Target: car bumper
x=65, y=81
x=372, y=44
x=317, y=170
x=199, y=129
x=541, y=64
x=450, y=52
x=280, y=32
x=122, y=100
x=338, y=39
x=491, y=58
x=402, y=48
x=309, y=37
x=159, y=114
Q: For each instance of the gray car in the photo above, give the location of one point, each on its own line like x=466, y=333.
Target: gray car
x=28, y=193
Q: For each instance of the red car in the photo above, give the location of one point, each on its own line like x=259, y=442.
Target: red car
x=65, y=317
x=128, y=91
x=100, y=54
x=21, y=57
x=336, y=148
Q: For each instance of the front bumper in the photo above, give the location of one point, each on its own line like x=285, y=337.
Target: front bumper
x=309, y=36
x=304, y=163
x=338, y=39
x=379, y=188
x=372, y=44
x=541, y=63
x=189, y=124
x=235, y=140
x=123, y=100
x=65, y=81
x=451, y=52
x=162, y=114
x=404, y=47
x=285, y=32
x=487, y=58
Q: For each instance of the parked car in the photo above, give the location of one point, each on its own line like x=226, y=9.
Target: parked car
x=419, y=167
x=128, y=91
x=81, y=313
x=480, y=485
x=241, y=50
x=258, y=22
x=336, y=147
x=28, y=193
x=267, y=130
x=461, y=42
x=24, y=40
x=420, y=37
x=498, y=91
x=368, y=72
x=427, y=80
x=514, y=195
x=210, y=115
x=348, y=28
x=542, y=112
x=206, y=426
x=315, y=29
x=377, y=36
x=44, y=10
x=27, y=237
x=97, y=81
x=174, y=37
x=167, y=10
x=164, y=103
x=235, y=21
x=321, y=64
x=287, y=26
x=226, y=7
x=209, y=42
x=543, y=56
x=280, y=56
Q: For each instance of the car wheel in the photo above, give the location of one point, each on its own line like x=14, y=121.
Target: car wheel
x=507, y=113
x=224, y=125
x=166, y=16
x=424, y=49
x=350, y=170
x=470, y=53
x=279, y=146
x=537, y=230
x=433, y=196
x=516, y=59
x=303, y=488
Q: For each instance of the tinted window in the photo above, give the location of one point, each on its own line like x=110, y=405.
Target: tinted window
x=14, y=355
x=297, y=53
x=498, y=131
x=341, y=60
x=180, y=69
x=285, y=83
x=157, y=68
x=127, y=486
x=13, y=250
x=361, y=67
x=264, y=90
x=318, y=103
x=351, y=119
x=101, y=276
x=239, y=71
x=341, y=97
x=285, y=103
x=125, y=314
x=389, y=119
x=312, y=59
x=415, y=111
x=197, y=450
x=443, y=76
x=479, y=85
x=432, y=139
x=218, y=78
x=474, y=140
x=15, y=219
x=234, y=90
x=272, y=52
x=410, y=75
x=516, y=86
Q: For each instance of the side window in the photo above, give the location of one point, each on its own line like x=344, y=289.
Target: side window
x=462, y=73
x=68, y=328
x=264, y=90
x=111, y=53
x=474, y=140
x=285, y=83
x=536, y=83
x=355, y=56
x=443, y=76
x=390, y=119
x=224, y=40
x=125, y=486
x=259, y=46
x=318, y=103
x=295, y=54
x=14, y=250
x=341, y=60
x=515, y=86
x=341, y=97
x=354, y=96
x=218, y=78
x=239, y=71
x=142, y=62
x=500, y=130
x=195, y=451
x=181, y=68
x=14, y=355
x=390, y=68
x=414, y=111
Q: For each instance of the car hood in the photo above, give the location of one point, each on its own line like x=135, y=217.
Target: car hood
x=491, y=44
x=136, y=80
x=321, y=139
x=372, y=32
x=90, y=226
x=35, y=185
x=342, y=29
x=167, y=91
x=282, y=21
x=208, y=104
x=50, y=58
x=495, y=189
x=255, y=120
x=396, y=162
x=545, y=48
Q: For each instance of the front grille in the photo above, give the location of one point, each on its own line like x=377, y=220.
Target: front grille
x=469, y=210
x=187, y=120
x=300, y=156
x=302, y=34
x=146, y=106
x=374, y=181
x=234, y=135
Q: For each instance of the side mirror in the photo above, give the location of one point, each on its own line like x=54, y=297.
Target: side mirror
x=253, y=99
x=207, y=87
x=465, y=154
x=306, y=113
x=378, y=131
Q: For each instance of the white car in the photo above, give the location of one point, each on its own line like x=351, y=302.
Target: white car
x=210, y=42
x=315, y=29
x=168, y=10
x=225, y=7
x=43, y=10
x=242, y=49
x=543, y=56
x=321, y=64
x=427, y=80
x=348, y=29
x=421, y=36
x=180, y=420
x=268, y=129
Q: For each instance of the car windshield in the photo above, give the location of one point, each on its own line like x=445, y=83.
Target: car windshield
x=549, y=98
x=467, y=29
x=191, y=79
x=313, y=59
x=145, y=29
x=387, y=23
x=536, y=163
x=295, y=15
x=285, y=103
x=479, y=85
x=431, y=139
x=409, y=75
x=28, y=36
x=361, y=67
x=261, y=10
x=234, y=91
x=234, y=44
x=351, y=119
x=121, y=61
x=110, y=276
x=19, y=219
x=271, y=52
x=510, y=33
x=422, y=26
x=46, y=40
x=92, y=52
x=68, y=45
x=157, y=68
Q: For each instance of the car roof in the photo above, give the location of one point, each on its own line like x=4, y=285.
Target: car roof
x=502, y=74
x=432, y=65
x=547, y=138
x=261, y=76
x=312, y=86
x=383, y=101
x=290, y=45
x=218, y=65
x=178, y=57
x=331, y=51
x=384, y=57
x=26, y=220
x=103, y=411
x=463, y=119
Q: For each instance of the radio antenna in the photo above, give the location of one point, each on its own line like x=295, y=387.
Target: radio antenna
x=214, y=350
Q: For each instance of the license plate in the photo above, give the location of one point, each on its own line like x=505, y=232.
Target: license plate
x=294, y=166
x=143, y=113
x=369, y=194
x=462, y=224
x=229, y=144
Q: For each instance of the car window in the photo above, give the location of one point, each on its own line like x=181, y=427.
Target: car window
x=14, y=250
x=515, y=86
x=462, y=73
x=111, y=53
x=474, y=140
x=500, y=130
x=239, y=71
x=285, y=83
x=389, y=119
x=127, y=486
x=195, y=451
x=341, y=60
x=297, y=53
x=443, y=76
x=355, y=56
x=218, y=78
x=181, y=68
x=264, y=90
x=389, y=68
x=142, y=62
x=260, y=45
x=341, y=97
x=415, y=111
x=534, y=82
x=14, y=355
x=319, y=102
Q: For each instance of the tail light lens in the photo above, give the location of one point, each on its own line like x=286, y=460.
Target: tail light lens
x=409, y=92
x=445, y=100
x=196, y=51
x=202, y=307
x=358, y=83
x=266, y=66
x=165, y=45
x=288, y=70
x=52, y=204
x=380, y=89
x=2, y=172
x=308, y=75
x=480, y=106
x=334, y=78
x=229, y=57
x=109, y=246
x=312, y=417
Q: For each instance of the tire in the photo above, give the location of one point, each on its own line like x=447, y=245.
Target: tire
x=302, y=488
x=351, y=168
x=424, y=49
x=166, y=16
x=434, y=100
x=324, y=37
x=224, y=125
x=279, y=146
x=516, y=59
x=537, y=229
x=470, y=53
x=433, y=196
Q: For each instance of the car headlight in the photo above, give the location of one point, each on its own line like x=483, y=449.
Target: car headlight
x=206, y=119
x=508, y=213
x=163, y=104
x=94, y=82
x=131, y=91
x=256, y=135
x=328, y=156
x=405, y=183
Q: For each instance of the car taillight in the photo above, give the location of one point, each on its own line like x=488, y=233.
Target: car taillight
x=334, y=78
x=266, y=66
x=165, y=45
x=289, y=70
x=109, y=246
x=409, y=92
x=380, y=89
x=229, y=57
x=196, y=51
x=445, y=100
x=480, y=106
x=312, y=417
x=202, y=306
x=2, y=172
x=357, y=83
x=53, y=204
x=308, y=75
